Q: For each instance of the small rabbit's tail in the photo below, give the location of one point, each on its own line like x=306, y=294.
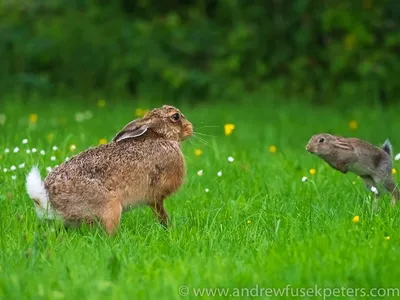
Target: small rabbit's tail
x=36, y=191
x=387, y=147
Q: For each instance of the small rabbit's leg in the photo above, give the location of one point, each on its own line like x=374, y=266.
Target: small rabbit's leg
x=368, y=181
x=342, y=167
x=392, y=188
x=111, y=215
x=159, y=210
x=384, y=176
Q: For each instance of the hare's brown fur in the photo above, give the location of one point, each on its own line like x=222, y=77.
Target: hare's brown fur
x=133, y=169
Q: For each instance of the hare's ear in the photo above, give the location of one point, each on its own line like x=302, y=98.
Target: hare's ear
x=131, y=130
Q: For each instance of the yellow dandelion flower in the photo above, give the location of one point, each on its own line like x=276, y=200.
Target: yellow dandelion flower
x=356, y=219
x=313, y=171
x=101, y=103
x=141, y=112
x=198, y=152
x=102, y=141
x=72, y=147
x=272, y=149
x=387, y=238
x=229, y=128
x=394, y=171
x=248, y=222
x=33, y=118
x=353, y=125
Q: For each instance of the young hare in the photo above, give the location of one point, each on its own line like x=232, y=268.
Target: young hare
x=142, y=165
x=372, y=164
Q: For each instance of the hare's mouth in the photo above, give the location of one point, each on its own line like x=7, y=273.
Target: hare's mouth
x=186, y=135
x=187, y=132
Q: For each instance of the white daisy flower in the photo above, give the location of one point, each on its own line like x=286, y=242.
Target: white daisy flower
x=13, y=168
x=13, y=177
x=24, y=141
x=5, y=170
x=219, y=173
x=42, y=152
x=374, y=190
x=200, y=173
x=16, y=149
x=304, y=179
x=72, y=147
x=28, y=151
x=21, y=166
x=6, y=150
x=230, y=159
x=206, y=190
x=67, y=158
x=48, y=169
x=53, y=158
x=397, y=157
x=79, y=117
x=55, y=148
x=33, y=150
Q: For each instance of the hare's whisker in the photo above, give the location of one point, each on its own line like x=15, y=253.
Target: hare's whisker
x=201, y=140
x=191, y=142
x=196, y=138
x=209, y=126
x=204, y=134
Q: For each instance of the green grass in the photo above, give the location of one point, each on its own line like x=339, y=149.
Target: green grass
x=259, y=224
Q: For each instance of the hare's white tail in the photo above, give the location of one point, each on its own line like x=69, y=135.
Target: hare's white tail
x=36, y=191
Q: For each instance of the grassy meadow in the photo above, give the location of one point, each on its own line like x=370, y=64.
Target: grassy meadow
x=256, y=225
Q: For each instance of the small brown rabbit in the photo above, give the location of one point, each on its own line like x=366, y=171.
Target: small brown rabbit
x=142, y=165
x=372, y=164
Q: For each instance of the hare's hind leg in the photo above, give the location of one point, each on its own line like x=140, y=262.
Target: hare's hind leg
x=159, y=210
x=111, y=215
x=85, y=200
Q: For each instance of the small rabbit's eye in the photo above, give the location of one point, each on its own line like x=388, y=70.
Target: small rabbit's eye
x=176, y=117
x=321, y=140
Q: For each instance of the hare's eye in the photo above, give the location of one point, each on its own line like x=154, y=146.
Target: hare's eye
x=176, y=117
x=321, y=140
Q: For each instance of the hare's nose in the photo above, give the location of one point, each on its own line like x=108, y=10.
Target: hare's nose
x=307, y=147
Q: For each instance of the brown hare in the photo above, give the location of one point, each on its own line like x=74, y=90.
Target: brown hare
x=143, y=164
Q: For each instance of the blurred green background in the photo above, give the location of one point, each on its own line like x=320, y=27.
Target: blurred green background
x=323, y=51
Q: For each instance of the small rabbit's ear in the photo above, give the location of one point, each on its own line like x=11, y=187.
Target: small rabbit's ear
x=344, y=145
x=131, y=130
